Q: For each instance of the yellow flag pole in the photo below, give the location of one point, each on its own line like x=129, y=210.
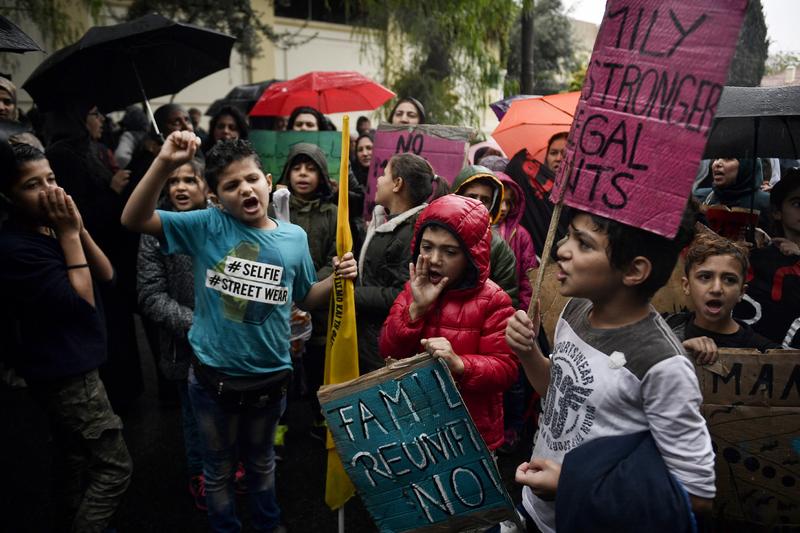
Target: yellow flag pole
x=341, y=351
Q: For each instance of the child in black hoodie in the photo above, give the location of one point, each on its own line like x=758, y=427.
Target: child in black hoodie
x=50, y=264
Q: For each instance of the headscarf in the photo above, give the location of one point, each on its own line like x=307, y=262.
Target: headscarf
x=413, y=101
x=9, y=87
x=746, y=182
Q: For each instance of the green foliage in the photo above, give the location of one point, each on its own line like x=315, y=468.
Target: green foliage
x=553, y=50
x=453, y=51
x=748, y=64
x=51, y=17
x=236, y=17
x=577, y=76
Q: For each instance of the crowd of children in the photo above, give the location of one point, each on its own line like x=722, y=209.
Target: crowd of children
x=221, y=282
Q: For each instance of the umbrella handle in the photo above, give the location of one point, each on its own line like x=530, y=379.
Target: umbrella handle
x=146, y=101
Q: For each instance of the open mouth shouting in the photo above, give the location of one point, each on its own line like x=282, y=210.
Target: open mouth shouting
x=435, y=276
x=713, y=307
x=251, y=205
x=183, y=199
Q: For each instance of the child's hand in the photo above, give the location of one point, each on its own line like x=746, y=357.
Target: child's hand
x=521, y=333
x=62, y=213
x=346, y=267
x=704, y=350
x=441, y=347
x=541, y=475
x=179, y=148
x=423, y=291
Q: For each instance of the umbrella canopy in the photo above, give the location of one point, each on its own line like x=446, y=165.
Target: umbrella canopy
x=111, y=66
x=13, y=39
x=756, y=122
x=329, y=92
x=530, y=123
x=500, y=107
x=242, y=97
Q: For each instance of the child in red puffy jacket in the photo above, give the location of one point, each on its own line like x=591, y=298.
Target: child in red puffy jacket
x=452, y=309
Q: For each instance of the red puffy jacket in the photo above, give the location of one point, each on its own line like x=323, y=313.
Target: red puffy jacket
x=472, y=317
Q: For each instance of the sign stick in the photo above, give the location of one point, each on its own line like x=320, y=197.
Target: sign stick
x=548, y=245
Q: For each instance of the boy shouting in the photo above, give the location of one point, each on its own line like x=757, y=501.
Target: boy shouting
x=248, y=268
x=616, y=369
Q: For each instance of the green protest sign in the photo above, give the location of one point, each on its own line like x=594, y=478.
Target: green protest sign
x=273, y=148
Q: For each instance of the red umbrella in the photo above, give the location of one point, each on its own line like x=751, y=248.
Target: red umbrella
x=329, y=92
x=530, y=123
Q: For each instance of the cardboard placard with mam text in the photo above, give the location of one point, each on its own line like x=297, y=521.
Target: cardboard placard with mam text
x=273, y=148
x=444, y=147
x=412, y=451
x=650, y=95
x=752, y=407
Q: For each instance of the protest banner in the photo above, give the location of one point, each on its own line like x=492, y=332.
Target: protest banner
x=751, y=402
x=273, y=148
x=445, y=148
x=650, y=94
x=411, y=449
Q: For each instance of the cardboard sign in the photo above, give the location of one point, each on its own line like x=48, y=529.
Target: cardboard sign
x=273, y=148
x=411, y=449
x=646, y=108
x=752, y=406
x=445, y=148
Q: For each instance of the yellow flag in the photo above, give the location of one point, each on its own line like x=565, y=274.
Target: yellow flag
x=341, y=350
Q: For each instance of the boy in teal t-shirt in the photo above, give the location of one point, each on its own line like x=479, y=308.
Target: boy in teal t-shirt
x=248, y=269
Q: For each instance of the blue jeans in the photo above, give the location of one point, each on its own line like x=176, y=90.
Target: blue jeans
x=223, y=434
x=191, y=436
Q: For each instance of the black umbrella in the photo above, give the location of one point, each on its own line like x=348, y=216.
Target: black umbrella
x=115, y=66
x=242, y=97
x=756, y=122
x=13, y=39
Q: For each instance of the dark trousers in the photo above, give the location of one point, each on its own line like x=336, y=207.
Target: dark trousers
x=92, y=464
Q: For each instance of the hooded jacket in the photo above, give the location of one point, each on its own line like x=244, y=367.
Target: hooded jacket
x=738, y=194
x=472, y=316
x=518, y=239
x=318, y=218
x=536, y=181
x=382, y=272
x=502, y=263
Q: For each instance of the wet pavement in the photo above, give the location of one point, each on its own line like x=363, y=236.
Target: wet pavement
x=158, y=499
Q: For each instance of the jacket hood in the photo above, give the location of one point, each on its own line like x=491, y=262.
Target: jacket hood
x=468, y=220
x=325, y=189
x=477, y=172
x=518, y=205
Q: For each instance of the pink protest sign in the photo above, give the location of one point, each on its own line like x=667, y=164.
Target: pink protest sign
x=446, y=155
x=651, y=91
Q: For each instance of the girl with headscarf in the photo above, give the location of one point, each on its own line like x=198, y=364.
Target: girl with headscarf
x=737, y=183
x=8, y=100
x=407, y=111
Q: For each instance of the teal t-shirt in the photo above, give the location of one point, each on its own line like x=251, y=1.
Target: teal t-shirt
x=245, y=280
